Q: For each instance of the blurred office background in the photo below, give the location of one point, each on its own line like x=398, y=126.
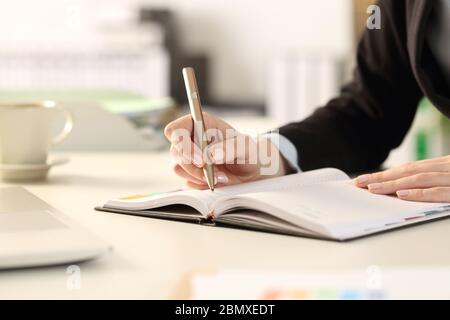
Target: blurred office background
x=117, y=64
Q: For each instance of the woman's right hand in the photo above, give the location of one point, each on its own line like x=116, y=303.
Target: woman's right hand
x=237, y=157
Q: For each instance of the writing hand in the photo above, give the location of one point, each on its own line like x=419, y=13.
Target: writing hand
x=236, y=156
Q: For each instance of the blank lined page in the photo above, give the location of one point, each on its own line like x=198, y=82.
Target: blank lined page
x=284, y=182
x=338, y=205
x=204, y=200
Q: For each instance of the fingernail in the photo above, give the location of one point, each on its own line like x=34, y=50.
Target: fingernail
x=375, y=186
x=363, y=179
x=402, y=193
x=197, y=164
x=221, y=178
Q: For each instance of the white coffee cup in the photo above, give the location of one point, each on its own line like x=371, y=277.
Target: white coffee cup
x=26, y=131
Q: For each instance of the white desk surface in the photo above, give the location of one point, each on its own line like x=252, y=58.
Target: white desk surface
x=150, y=256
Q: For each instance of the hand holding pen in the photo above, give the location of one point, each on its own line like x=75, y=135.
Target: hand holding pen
x=229, y=163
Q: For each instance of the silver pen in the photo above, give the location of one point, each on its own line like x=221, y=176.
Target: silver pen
x=199, y=124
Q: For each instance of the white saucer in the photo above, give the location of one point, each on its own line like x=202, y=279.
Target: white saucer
x=28, y=172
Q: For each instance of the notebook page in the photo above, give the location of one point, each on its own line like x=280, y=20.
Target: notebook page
x=284, y=182
x=199, y=200
x=203, y=200
x=263, y=219
x=338, y=207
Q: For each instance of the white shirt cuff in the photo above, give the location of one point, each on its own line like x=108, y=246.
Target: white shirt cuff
x=286, y=148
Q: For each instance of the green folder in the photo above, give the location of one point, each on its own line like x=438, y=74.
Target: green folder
x=115, y=101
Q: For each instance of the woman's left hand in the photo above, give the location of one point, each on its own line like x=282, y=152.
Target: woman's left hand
x=426, y=180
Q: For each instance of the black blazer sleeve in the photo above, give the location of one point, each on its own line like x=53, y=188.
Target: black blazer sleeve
x=356, y=131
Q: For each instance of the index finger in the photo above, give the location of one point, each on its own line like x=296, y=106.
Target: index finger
x=180, y=123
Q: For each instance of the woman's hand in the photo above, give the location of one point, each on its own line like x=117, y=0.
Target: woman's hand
x=427, y=180
x=236, y=157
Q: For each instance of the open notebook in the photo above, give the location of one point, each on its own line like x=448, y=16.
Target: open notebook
x=322, y=203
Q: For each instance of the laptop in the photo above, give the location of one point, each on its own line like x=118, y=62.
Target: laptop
x=33, y=234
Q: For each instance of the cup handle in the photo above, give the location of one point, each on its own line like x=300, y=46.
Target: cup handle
x=68, y=126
